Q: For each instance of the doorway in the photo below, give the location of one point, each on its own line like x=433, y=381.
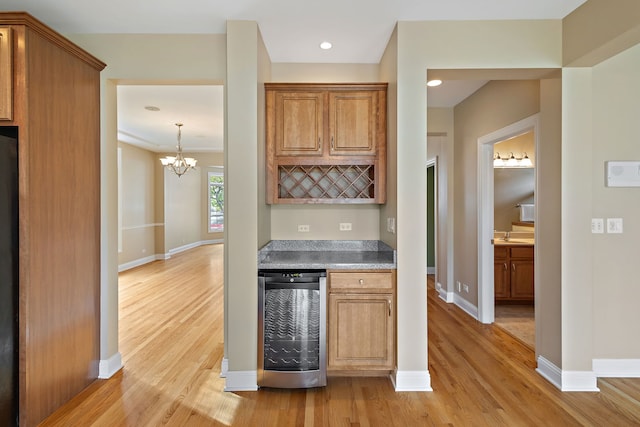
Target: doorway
x=486, y=291
x=432, y=217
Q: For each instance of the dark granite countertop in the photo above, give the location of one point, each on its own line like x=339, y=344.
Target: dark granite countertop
x=326, y=254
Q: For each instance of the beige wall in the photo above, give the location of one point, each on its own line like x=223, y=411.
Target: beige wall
x=242, y=199
x=598, y=30
x=137, y=204
x=511, y=188
x=494, y=106
x=389, y=74
x=183, y=209
x=616, y=282
x=548, y=227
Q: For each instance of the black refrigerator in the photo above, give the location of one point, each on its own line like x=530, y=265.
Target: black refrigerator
x=8, y=276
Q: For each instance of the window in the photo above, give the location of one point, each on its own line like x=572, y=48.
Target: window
x=216, y=202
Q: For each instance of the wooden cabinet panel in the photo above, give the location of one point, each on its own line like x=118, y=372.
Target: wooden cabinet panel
x=6, y=74
x=522, y=279
x=299, y=123
x=361, y=331
x=501, y=279
x=513, y=269
x=352, y=123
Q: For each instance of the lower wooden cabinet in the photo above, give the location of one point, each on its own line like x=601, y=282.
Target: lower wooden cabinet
x=513, y=273
x=361, y=317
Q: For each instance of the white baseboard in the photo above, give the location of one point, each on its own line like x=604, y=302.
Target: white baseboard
x=107, y=368
x=137, y=263
x=184, y=248
x=567, y=380
x=579, y=381
x=431, y=270
x=224, y=367
x=443, y=294
x=617, y=368
x=466, y=306
x=411, y=381
x=551, y=372
x=141, y=261
x=241, y=381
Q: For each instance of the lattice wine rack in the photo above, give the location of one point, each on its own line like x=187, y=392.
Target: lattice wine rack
x=326, y=182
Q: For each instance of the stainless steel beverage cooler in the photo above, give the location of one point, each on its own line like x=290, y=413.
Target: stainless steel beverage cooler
x=292, y=319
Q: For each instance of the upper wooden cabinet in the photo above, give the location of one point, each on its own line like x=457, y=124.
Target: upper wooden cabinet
x=6, y=74
x=353, y=123
x=298, y=120
x=326, y=143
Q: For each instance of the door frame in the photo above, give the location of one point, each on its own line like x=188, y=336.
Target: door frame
x=486, y=301
x=434, y=162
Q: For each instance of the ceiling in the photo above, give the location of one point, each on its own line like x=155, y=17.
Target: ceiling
x=292, y=31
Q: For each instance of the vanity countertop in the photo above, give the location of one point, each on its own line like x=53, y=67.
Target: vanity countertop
x=326, y=254
x=513, y=242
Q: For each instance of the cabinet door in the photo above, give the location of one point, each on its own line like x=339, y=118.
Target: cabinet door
x=299, y=123
x=522, y=279
x=353, y=122
x=361, y=331
x=6, y=75
x=501, y=279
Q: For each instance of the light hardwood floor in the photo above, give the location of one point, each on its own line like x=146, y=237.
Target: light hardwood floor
x=171, y=340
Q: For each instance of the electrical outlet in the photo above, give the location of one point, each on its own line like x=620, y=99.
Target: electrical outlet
x=465, y=287
x=345, y=226
x=459, y=286
x=303, y=228
x=597, y=225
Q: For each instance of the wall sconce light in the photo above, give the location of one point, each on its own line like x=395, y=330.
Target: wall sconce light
x=512, y=161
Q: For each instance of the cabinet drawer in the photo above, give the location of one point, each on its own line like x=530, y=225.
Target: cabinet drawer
x=522, y=252
x=361, y=280
x=500, y=252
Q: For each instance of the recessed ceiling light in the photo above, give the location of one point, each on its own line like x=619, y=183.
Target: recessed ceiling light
x=325, y=45
x=434, y=82
x=151, y=108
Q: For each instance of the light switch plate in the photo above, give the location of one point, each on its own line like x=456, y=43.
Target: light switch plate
x=391, y=225
x=614, y=225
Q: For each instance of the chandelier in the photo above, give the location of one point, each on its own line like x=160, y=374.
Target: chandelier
x=179, y=164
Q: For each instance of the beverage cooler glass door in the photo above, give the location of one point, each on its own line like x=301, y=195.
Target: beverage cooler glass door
x=292, y=329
